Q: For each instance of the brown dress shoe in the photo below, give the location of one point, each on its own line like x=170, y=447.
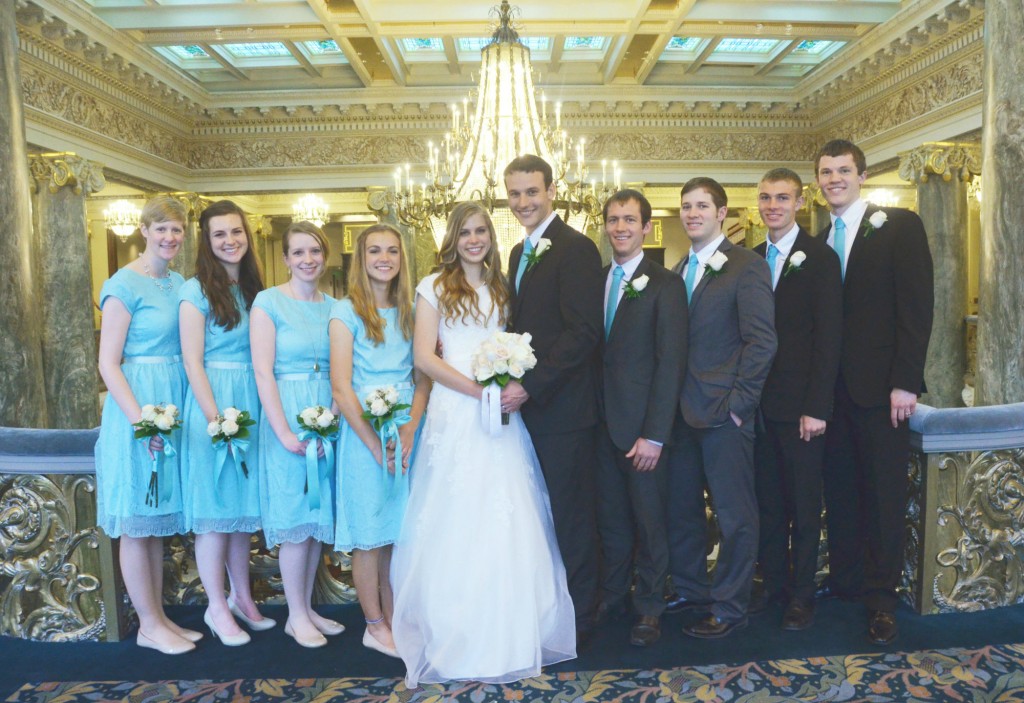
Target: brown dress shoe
x=799, y=615
x=882, y=628
x=712, y=627
x=646, y=631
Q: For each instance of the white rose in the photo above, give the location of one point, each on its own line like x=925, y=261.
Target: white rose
x=230, y=428
x=379, y=407
x=797, y=258
x=148, y=413
x=542, y=246
x=171, y=409
x=878, y=219
x=232, y=414
x=391, y=395
x=164, y=422
x=717, y=261
x=213, y=429
x=640, y=283
x=500, y=366
x=516, y=370
x=325, y=419
x=526, y=338
x=309, y=416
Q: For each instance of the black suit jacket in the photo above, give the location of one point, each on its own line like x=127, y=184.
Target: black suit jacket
x=559, y=304
x=809, y=324
x=644, y=358
x=888, y=296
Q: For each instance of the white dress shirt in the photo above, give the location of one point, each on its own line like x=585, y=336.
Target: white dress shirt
x=702, y=258
x=539, y=231
x=852, y=217
x=784, y=245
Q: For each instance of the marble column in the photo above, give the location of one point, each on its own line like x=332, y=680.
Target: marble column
x=61, y=182
x=1000, y=377
x=942, y=172
x=22, y=399
x=185, y=262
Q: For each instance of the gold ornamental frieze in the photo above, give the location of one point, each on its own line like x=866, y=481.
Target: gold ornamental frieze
x=944, y=159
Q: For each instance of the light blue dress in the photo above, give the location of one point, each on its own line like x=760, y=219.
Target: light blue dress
x=301, y=343
x=371, y=502
x=218, y=495
x=152, y=365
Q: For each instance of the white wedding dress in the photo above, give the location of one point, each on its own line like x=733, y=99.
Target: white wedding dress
x=480, y=589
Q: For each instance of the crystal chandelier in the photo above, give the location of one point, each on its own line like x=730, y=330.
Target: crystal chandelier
x=311, y=209
x=122, y=218
x=484, y=137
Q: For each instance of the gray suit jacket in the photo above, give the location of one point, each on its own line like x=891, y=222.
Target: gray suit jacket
x=732, y=340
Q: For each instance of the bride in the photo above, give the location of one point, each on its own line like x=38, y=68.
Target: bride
x=480, y=590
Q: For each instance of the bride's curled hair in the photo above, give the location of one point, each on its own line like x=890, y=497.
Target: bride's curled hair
x=457, y=299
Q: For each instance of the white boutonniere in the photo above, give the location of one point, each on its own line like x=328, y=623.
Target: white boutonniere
x=635, y=287
x=534, y=256
x=796, y=262
x=876, y=220
x=716, y=264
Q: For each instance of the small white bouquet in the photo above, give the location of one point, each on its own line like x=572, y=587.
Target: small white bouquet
x=319, y=420
x=230, y=430
x=381, y=406
x=317, y=423
x=160, y=420
x=506, y=356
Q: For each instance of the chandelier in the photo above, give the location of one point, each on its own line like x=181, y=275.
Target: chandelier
x=484, y=137
x=122, y=218
x=311, y=209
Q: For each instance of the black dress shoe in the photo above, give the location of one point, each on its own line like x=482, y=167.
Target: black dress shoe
x=761, y=599
x=646, y=631
x=712, y=628
x=675, y=603
x=799, y=615
x=882, y=628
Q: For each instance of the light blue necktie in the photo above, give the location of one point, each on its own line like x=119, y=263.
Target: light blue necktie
x=691, y=275
x=839, y=244
x=773, y=257
x=613, y=299
x=523, y=260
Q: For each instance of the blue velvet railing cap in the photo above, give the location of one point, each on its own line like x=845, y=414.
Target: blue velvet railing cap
x=37, y=451
x=935, y=430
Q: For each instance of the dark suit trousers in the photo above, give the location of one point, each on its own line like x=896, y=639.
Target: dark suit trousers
x=724, y=457
x=567, y=460
x=865, y=482
x=788, y=484
x=631, y=513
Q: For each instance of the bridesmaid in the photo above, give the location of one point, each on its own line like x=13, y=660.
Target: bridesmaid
x=222, y=502
x=291, y=358
x=371, y=347
x=140, y=362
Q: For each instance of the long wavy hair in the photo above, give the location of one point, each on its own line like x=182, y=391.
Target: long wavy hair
x=456, y=298
x=213, y=278
x=399, y=289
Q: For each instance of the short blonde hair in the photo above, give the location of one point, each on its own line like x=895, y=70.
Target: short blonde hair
x=163, y=208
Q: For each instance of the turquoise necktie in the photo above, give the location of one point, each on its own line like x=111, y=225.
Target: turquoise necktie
x=523, y=260
x=773, y=257
x=613, y=299
x=691, y=275
x=839, y=244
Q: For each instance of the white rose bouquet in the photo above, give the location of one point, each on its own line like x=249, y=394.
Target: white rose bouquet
x=505, y=357
x=160, y=420
x=381, y=412
x=230, y=431
x=317, y=423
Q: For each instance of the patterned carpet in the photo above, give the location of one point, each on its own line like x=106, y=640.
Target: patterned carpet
x=993, y=673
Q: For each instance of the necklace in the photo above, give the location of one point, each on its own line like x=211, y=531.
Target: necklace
x=164, y=282
x=314, y=338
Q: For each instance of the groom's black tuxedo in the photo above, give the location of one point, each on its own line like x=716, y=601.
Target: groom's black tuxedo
x=559, y=304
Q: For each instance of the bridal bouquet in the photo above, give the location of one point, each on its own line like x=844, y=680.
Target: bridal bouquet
x=230, y=430
x=505, y=357
x=317, y=423
x=159, y=420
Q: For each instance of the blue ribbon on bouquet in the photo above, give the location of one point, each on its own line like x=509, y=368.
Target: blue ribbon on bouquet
x=389, y=431
x=159, y=487
x=227, y=448
x=313, y=463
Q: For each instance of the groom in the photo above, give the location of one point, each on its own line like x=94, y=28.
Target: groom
x=557, y=287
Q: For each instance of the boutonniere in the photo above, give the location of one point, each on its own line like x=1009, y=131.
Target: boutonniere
x=716, y=264
x=635, y=287
x=876, y=220
x=796, y=262
x=535, y=256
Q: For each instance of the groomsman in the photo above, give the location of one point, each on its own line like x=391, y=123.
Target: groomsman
x=643, y=361
x=887, y=319
x=731, y=345
x=556, y=280
x=797, y=399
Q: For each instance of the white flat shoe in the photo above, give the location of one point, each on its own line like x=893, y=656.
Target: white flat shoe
x=146, y=642
x=229, y=640
x=321, y=641
x=190, y=635
x=329, y=627
x=258, y=625
x=371, y=642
